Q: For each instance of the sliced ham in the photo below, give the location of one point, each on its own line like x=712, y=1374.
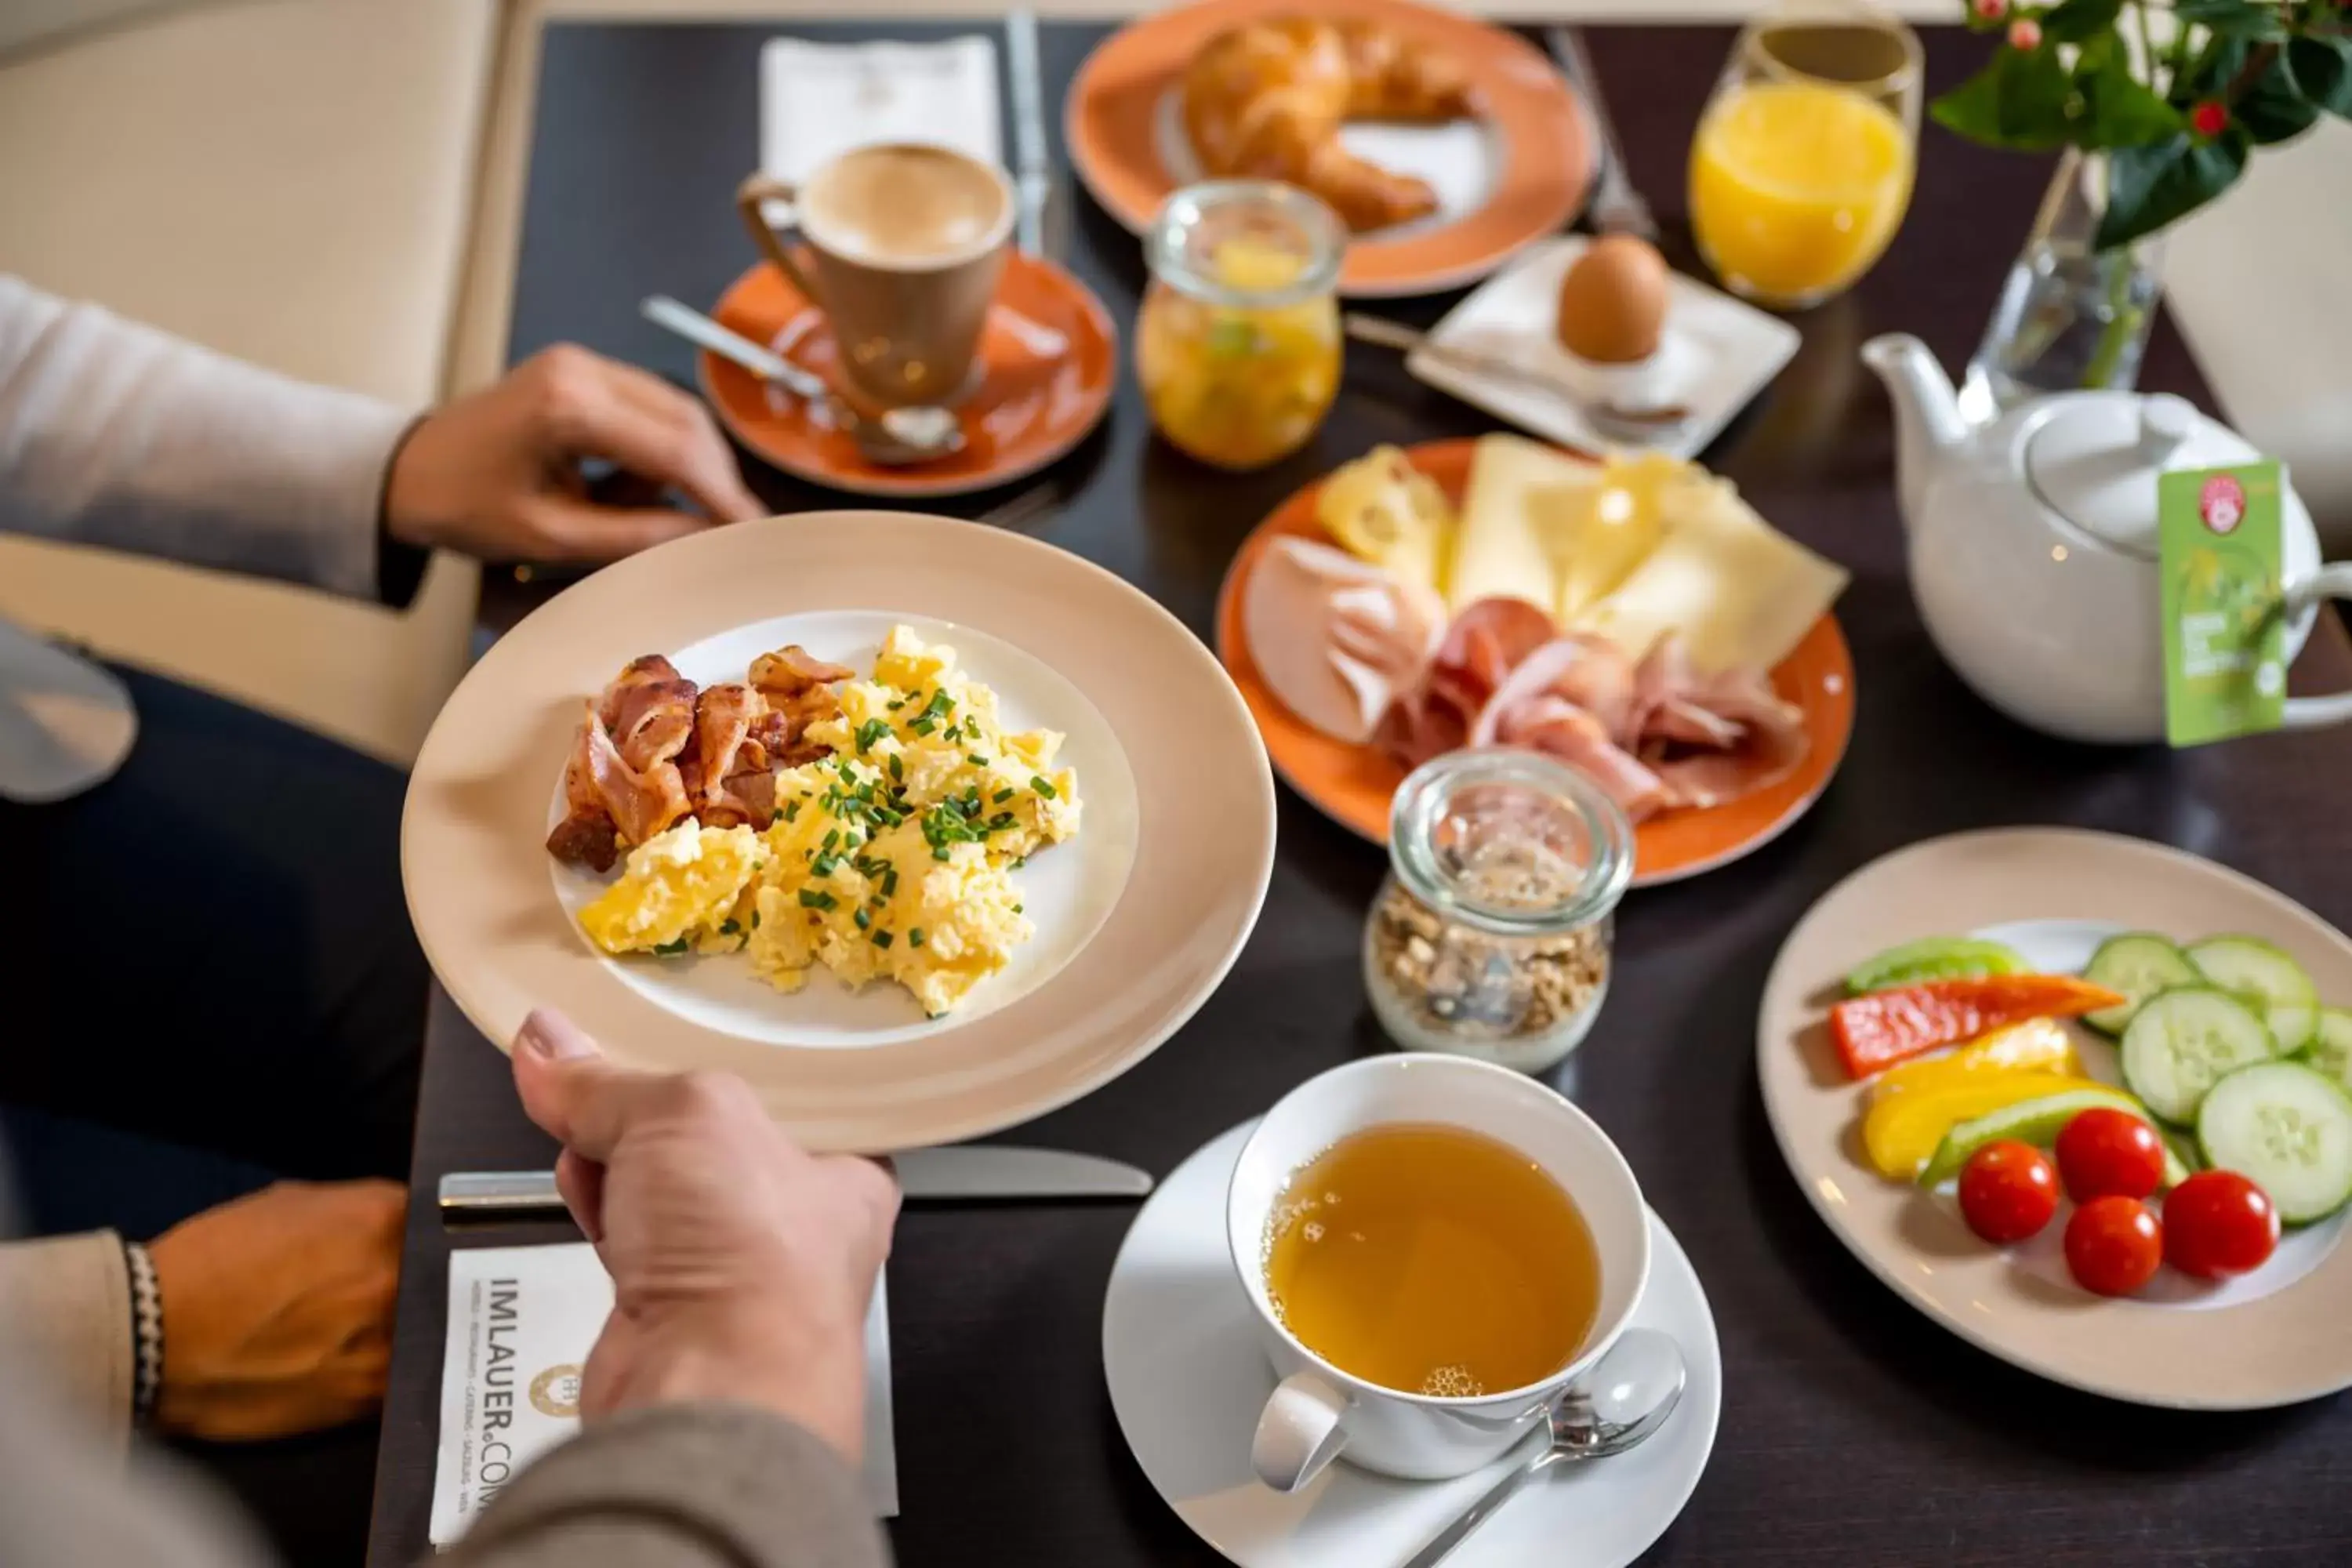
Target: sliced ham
x=1652, y=734
x=1561, y=729
x=1333, y=638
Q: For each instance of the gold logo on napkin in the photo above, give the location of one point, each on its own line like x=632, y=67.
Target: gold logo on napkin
x=556, y=1391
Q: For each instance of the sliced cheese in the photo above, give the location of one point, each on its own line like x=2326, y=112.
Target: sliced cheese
x=1518, y=491
x=1741, y=593
x=1606, y=529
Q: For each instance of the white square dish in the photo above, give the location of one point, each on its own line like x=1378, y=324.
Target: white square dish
x=1717, y=353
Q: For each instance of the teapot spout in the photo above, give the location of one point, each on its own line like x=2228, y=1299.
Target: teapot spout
x=1928, y=419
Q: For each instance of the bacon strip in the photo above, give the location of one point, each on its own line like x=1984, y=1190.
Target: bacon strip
x=653, y=749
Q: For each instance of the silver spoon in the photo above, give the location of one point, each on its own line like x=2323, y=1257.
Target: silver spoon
x=896, y=439
x=1619, y=1405
x=1633, y=422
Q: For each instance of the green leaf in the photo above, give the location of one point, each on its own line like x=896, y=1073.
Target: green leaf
x=2120, y=111
x=2232, y=18
x=2323, y=69
x=2079, y=21
x=2273, y=107
x=2150, y=187
x=2021, y=101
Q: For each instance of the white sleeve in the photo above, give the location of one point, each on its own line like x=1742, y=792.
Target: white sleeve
x=116, y=435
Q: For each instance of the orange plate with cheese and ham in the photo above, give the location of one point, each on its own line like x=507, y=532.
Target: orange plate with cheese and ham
x=1632, y=617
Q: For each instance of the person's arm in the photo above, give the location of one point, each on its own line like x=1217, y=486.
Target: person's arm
x=116, y=435
x=723, y=1406
x=65, y=1303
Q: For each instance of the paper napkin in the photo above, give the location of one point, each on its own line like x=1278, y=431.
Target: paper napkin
x=520, y=1322
x=817, y=100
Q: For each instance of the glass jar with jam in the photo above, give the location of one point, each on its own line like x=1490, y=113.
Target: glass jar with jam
x=1238, y=344
x=1492, y=936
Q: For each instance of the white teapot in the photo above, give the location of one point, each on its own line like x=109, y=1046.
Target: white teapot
x=2033, y=546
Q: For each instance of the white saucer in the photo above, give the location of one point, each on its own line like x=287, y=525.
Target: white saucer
x=1716, y=354
x=1187, y=1378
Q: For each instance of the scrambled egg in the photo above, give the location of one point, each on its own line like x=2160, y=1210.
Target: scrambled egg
x=890, y=860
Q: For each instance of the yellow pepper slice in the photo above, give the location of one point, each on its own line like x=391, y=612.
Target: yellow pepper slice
x=1900, y=1133
x=2037, y=1045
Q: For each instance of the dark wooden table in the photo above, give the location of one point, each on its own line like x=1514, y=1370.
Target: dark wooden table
x=1854, y=1431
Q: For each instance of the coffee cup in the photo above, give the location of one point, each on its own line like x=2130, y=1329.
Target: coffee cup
x=903, y=247
x=1321, y=1411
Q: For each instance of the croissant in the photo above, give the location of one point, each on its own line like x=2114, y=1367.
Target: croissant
x=1265, y=100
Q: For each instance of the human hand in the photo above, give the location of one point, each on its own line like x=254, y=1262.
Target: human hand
x=742, y=1264
x=496, y=475
x=278, y=1309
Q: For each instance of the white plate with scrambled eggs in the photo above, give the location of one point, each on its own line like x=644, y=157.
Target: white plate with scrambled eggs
x=833, y=929
x=1105, y=808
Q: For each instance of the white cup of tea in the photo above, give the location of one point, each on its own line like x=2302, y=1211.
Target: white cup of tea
x=1460, y=1263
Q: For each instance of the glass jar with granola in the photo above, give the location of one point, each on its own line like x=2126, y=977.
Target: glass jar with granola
x=1491, y=936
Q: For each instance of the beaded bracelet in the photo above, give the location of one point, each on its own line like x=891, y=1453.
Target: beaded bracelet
x=146, y=1332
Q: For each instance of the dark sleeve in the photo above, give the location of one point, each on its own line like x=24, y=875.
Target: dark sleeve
x=694, y=1486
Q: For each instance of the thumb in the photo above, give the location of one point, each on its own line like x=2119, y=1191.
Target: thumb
x=568, y=1088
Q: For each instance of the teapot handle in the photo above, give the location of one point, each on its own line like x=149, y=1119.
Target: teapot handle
x=2333, y=581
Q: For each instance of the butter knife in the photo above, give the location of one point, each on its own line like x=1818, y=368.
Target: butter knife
x=979, y=1172
x=1033, y=175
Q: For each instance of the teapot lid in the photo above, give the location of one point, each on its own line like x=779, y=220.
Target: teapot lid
x=2096, y=460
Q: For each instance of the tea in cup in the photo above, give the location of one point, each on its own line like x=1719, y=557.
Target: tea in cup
x=1436, y=1248
x=905, y=244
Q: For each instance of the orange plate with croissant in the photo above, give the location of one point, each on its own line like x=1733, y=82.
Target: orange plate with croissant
x=1262, y=90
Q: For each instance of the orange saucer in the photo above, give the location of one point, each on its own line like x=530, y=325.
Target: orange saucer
x=1049, y=364
x=1351, y=785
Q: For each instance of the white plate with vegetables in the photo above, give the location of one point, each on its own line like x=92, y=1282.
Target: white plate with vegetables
x=2090, y=1112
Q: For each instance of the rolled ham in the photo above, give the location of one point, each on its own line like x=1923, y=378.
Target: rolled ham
x=1335, y=638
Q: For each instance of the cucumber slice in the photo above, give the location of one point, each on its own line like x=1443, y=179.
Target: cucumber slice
x=2259, y=971
x=2034, y=1122
x=1933, y=958
x=2286, y=1128
x=2139, y=964
x=2330, y=1051
x=2182, y=1040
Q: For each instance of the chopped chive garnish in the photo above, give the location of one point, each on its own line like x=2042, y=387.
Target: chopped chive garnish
x=915, y=937
x=863, y=920
x=922, y=727
x=1000, y=798
x=870, y=732
x=1016, y=908
x=897, y=770
x=728, y=927
x=890, y=882
x=975, y=759
x=1044, y=787
x=941, y=853
x=816, y=898
x=672, y=949
x=791, y=809
x=832, y=838
x=880, y=939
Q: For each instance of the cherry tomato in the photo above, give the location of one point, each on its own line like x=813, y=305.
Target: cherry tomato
x=2217, y=1223
x=2008, y=1191
x=2113, y=1244
x=2105, y=1151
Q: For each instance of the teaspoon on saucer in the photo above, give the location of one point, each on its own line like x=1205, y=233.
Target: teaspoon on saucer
x=1619, y=1405
x=1634, y=424
x=897, y=437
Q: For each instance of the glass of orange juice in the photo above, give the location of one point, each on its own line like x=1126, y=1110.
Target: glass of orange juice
x=1803, y=164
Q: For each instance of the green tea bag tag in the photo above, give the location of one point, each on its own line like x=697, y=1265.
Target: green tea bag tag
x=2224, y=616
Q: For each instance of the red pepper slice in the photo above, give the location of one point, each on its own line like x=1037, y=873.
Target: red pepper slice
x=1879, y=1030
